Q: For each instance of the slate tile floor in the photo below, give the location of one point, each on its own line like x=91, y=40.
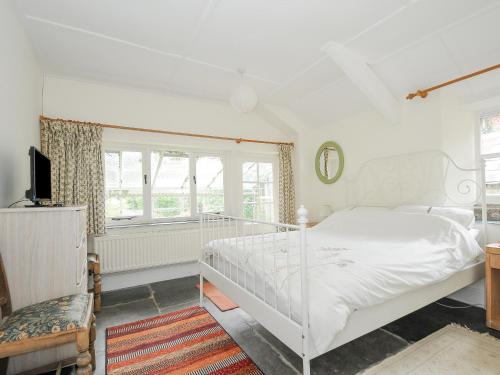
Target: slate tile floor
x=128, y=305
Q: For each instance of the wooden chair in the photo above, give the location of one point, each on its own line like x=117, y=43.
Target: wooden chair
x=45, y=325
x=94, y=267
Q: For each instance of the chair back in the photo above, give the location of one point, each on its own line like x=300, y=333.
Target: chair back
x=5, y=302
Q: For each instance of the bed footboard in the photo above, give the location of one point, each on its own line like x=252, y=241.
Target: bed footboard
x=263, y=268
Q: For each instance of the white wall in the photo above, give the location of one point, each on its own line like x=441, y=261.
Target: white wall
x=439, y=122
x=20, y=106
x=88, y=101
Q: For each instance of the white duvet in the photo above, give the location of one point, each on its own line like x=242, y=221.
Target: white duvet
x=356, y=260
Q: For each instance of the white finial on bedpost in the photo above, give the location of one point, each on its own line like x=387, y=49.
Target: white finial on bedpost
x=306, y=357
x=302, y=215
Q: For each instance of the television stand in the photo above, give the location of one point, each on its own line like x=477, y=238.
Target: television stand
x=34, y=205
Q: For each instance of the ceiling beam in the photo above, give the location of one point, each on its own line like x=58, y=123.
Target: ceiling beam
x=366, y=80
x=207, y=11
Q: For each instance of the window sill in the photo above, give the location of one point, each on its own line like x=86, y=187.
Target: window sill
x=151, y=224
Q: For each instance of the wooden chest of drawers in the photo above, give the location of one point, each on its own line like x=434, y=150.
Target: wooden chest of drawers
x=44, y=250
x=492, y=277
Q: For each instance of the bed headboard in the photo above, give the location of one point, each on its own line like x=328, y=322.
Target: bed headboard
x=428, y=178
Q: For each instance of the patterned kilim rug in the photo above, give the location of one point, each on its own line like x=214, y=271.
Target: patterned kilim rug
x=188, y=341
x=453, y=350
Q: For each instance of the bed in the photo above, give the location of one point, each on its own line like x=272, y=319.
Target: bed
x=361, y=268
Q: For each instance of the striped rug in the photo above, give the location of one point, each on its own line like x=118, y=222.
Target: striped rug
x=188, y=341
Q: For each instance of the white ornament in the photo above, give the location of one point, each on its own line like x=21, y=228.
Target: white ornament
x=244, y=98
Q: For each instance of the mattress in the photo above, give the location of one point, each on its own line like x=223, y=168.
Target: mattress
x=356, y=260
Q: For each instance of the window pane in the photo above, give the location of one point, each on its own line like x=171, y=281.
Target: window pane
x=250, y=171
x=492, y=176
x=112, y=163
x=266, y=172
x=258, y=191
x=210, y=183
x=123, y=184
x=170, y=184
x=490, y=135
x=249, y=210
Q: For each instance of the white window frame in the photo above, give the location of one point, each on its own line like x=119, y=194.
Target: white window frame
x=147, y=149
x=490, y=198
x=115, y=147
x=259, y=158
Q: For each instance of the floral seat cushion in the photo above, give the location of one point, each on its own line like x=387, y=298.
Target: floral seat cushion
x=57, y=315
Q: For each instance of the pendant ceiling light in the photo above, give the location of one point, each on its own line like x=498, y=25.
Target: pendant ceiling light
x=244, y=98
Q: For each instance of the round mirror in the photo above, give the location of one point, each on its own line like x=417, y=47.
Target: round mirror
x=329, y=162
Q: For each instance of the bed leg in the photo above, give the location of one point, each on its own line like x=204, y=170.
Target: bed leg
x=306, y=366
x=201, y=290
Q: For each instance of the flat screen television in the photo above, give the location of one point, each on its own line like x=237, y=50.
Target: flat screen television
x=41, y=188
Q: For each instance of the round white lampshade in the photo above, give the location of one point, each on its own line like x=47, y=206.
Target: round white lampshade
x=244, y=98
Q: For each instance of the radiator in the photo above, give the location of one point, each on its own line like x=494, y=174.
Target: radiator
x=123, y=250
x=132, y=251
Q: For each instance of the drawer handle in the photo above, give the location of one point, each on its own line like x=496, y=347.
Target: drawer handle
x=82, y=240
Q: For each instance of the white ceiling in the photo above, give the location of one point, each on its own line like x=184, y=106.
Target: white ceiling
x=195, y=47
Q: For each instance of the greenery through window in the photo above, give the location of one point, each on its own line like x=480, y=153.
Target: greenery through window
x=123, y=184
x=154, y=184
x=170, y=184
x=258, y=191
x=210, y=183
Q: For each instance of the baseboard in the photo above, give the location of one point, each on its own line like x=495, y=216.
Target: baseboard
x=120, y=280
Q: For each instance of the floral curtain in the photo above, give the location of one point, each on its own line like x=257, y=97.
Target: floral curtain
x=286, y=185
x=75, y=152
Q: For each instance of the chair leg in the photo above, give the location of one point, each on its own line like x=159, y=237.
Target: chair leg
x=97, y=292
x=4, y=364
x=92, y=340
x=84, y=359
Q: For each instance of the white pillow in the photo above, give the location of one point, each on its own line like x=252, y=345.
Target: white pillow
x=369, y=208
x=462, y=216
x=357, y=209
x=415, y=209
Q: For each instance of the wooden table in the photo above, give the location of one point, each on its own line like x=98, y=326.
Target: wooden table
x=492, y=279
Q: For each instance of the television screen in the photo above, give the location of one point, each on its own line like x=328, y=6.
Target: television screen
x=40, y=176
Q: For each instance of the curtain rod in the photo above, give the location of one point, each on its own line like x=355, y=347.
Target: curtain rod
x=146, y=130
x=423, y=93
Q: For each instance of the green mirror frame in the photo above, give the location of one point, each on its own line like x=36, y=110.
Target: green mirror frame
x=323, y=178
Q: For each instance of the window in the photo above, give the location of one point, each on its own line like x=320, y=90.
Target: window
x=123, y=184
x=210, y=183
x=150, y=183
x=490, y=151
x=145, y=184
x=258, y=190
x=170, y=184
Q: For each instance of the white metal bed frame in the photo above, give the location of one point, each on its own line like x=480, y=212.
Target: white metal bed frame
x=295, y=333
